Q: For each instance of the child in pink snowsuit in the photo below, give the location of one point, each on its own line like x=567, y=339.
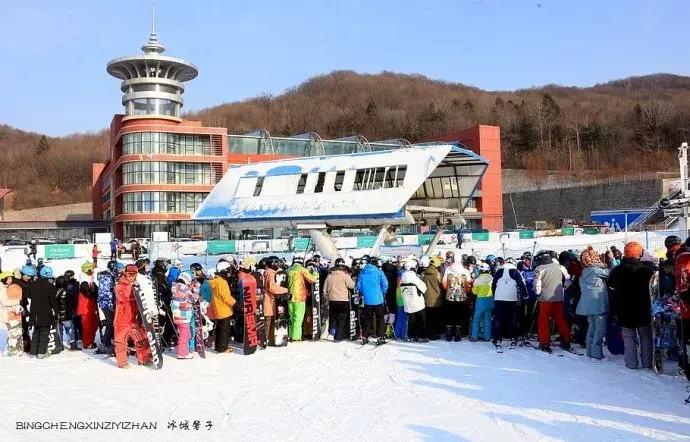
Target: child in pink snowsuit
x=184, y=295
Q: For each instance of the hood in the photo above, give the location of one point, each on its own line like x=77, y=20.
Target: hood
x=431, y=270
x=369, y=268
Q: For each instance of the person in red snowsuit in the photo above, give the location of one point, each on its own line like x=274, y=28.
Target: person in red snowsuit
x=126, y=324
x=87, y=306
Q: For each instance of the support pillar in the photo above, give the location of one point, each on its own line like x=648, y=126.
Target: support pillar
x=383, y=234
x=324, y=243
x=434, y=242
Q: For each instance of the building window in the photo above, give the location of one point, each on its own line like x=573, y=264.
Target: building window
x=165, y=143
x=259, y=186
x=162, y=202
x=339, y=178
x=377, y=178
x=320, y=182
x=302, y=183
x=162, y=172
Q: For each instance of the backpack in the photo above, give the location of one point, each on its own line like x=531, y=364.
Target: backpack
x=457, y=287
x=413, y=301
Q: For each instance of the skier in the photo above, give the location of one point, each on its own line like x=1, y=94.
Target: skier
x=413, y=290
x=185, y=294
x=174, y=272
x=273, y=289
x=94, y=254
x=148, y=292
x=107, y=280
x=197, y=271
x=594, y=300
x=27, y=278
x=456, y=282
x=73, y=292
x=113, y=249
x=223, y=303
x=298, y=278
x=371, y=285
x=509, y=290
x=484, y=305
x=126, y=324
x=67, y=304
x=548, y=285
x=32, y=249
x=396, y=312
x=337, y=288
x=42, y=315
x=432, y=297
x=11, y=312
x=631, y=305
x=87, y=306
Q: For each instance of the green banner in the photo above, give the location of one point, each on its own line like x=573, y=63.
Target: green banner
x=59, y=251
x=365, y=241
x=480, y=236
x=220, y=247
x=590, y=231
x=526, y=234
x=569, y=231
x=424, y=239
x=300, y=244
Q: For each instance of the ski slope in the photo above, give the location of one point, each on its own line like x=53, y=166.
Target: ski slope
x=320, y=391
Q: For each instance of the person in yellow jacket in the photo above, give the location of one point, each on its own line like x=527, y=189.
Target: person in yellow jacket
x=298, y=279
x=484, y=305
x=222, y=303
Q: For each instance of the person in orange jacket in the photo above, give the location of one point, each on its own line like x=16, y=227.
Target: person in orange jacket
x=94, y=254
x=126, y=324
x=87, y=306
x=222, y=302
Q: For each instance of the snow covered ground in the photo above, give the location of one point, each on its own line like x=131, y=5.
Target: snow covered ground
x=326, y=391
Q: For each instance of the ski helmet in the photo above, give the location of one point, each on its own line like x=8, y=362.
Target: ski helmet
x=374, y=260
x=273, y=262
x=490, y=259
x=46, y=272
x=4, y=276
x=424, y=261
x=69, y=274
x=87, y=267
x=484, y=268
x=185, y=277
x=142, y=263
x=40, y=261
x=196, y=267
x=510, y=261
x=29, y=271
x=161, y=264
x=61, y=282
x=543, y=258
x=297, y=260
x=112, y=266
x=261, y=265
x=410, y=264
x=177, y=263
x=130, y=273
x=527, y=255
x=633, y=250
x=471, y=260
x=672, y=241
x=223, y=268
x=339, y=262
x=119, y=268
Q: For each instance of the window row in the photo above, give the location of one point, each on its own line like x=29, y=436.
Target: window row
x=161, y=172
x=161, y=202
x=165, y=143
x=438, y=188
x=323, y=182
x=153, y=106
x=177, y=229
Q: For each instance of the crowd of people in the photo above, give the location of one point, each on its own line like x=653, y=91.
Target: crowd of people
x=582, y=295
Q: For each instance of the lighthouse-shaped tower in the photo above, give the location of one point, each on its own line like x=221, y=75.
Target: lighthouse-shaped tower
x=152, y=83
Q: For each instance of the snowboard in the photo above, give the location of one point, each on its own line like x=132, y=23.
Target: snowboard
x=250, y=339
x=354, y=315
x=148, y=316
x=324, y=314
x=260, y=316
x=199, y=343
x=282, y=319
x=55, y=345
x=315, y=311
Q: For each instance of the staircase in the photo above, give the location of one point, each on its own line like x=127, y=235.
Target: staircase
x=654, y=209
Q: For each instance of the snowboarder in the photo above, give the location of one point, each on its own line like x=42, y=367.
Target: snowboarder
x=222, y=302
x=273, y=289
x=87, y=306
x=163, y=291
x=548, y=285
x=484, y=305
x=126, y=324
x=631, y=305
x=185, y=294
x=67, y=304
x=594, y=301
x=106, y=303
x=43, y=312
x=456, y=282
x=337, y=288
x=413, y=290
x=174, y=271
x=94, y=254
x=298, y=278
x=432, y=297
x=32, y=249
x=11, y=312
x=509, y=291
x=113, y=249
x=371, y=285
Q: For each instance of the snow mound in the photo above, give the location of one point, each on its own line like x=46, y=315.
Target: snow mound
x=327, y=391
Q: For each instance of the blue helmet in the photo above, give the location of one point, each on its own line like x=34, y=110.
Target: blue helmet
x=46, y=272
x=40, y=261
x=28, y=271
x=120, y=267
x=29, y=263
x=490, y=258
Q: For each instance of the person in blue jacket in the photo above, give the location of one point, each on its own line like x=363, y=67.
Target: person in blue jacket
x=174, y=272
x=372, y=285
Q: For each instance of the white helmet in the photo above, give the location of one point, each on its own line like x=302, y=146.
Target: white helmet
x=177, y=263
x=410, y=264
x=222, y=266
x=425, y=261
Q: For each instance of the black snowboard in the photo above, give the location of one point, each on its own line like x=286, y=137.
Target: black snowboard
x=260, y=316
x=315, y=311
x=148, y=314
x=251, y=336
x=354, y=315
x=282, y=318
x=54, y=340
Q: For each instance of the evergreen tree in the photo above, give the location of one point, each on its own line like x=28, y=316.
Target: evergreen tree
x=42, y=145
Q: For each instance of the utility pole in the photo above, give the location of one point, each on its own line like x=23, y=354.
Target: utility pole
x=683, y=160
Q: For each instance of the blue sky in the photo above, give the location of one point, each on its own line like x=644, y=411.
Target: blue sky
x=53, y=78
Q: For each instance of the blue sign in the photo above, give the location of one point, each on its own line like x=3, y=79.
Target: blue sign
x=615, y=219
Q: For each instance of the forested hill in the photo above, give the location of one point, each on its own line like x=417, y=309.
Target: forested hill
x=631, y=124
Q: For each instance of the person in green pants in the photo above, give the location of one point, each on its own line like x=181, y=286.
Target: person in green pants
x=298, y=278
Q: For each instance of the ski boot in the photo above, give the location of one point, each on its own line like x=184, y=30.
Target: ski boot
x=126, y=367
x=364, y=341
x=513, y=344
x=546, y=348
x=73, y=347
x=380, y=341
x=449, y=333
x=424, y=340
x=458, y=334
